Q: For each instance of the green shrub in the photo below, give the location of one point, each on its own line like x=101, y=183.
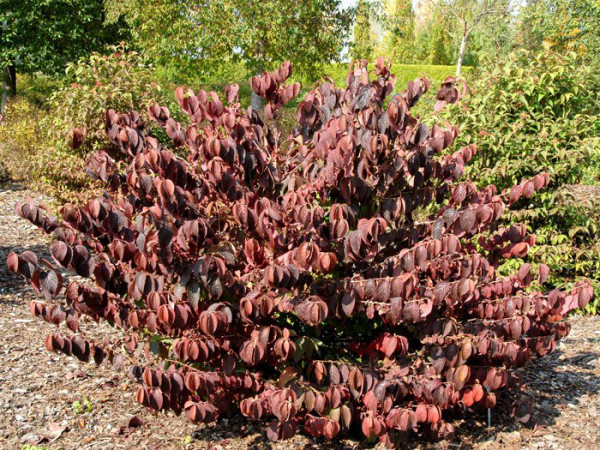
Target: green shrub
x=543, y=106
x=35, y=142
x=120, y=81
x=27, y=154
x=539, y=112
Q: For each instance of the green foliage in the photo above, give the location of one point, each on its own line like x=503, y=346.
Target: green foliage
x=194, y=38
x=489, y=27
x=167, y=34
x=399, y=38
x=563, y=25
x=591, y=173
x=233, y=70
x=539, y=112
x=363, y=42
x=434, y=45
x=119, y=80
x=539, y=105
x=495, y=37
x=467, y=17
x=45, y=35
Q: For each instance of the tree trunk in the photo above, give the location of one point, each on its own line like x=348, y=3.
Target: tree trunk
x=461, y=54
x=10, y=75
x=9, y=85
x=256, y=101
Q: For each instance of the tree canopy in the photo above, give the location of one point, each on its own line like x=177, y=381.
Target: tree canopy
x=362, y=43
x=44, y=35
x=399, y=40
x=199, y=35
x=434, y=44
x=468, y=16
x=563, y=25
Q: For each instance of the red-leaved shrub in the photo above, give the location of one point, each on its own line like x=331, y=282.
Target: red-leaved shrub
x=288, y=278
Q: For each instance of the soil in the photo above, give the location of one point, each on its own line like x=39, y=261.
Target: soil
x=588, y=195
x=53, y=401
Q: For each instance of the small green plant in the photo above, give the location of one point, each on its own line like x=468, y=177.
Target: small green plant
x=82, y=407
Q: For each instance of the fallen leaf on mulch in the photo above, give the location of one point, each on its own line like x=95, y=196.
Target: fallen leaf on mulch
x=134, y=423
x=52, y=433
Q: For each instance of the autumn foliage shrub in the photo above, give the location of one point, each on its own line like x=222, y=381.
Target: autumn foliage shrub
x=286, y=277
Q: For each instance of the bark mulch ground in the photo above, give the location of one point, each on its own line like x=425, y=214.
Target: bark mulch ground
x=53, y=401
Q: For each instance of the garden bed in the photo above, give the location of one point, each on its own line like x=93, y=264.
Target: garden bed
x=43, y=396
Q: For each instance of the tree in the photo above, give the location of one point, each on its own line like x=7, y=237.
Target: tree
x=44, y=35
x=198, y=35
x=362, y=47
x=563, y=25
x=433, y=41
x=495, y=37
x=468, y=15
x=399, y=39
